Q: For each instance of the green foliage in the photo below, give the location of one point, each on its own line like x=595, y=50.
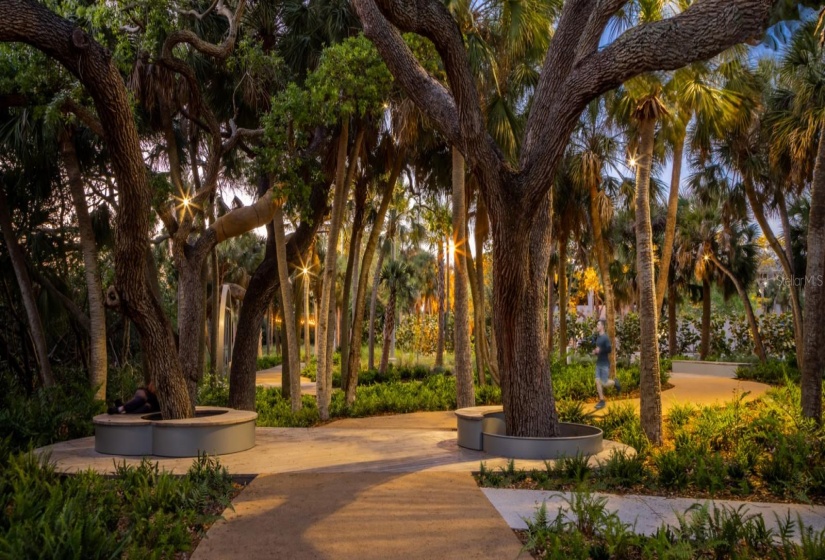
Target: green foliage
x=213, y=390
x=48, y=415
x=628, y=335
x=266, y=362
x=140, y=513
x=583, y=528
x=351, y=81
x=773, y=372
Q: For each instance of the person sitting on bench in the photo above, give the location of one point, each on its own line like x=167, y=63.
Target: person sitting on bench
x=144, y=400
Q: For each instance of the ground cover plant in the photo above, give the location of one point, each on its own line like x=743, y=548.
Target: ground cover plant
x=588, y=530
x=140, y=512
x=763, y=450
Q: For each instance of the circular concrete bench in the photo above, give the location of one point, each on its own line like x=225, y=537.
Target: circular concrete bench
x=213, y=430
x=483, y=428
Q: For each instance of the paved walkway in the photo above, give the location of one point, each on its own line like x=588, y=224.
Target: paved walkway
x=385, y=487
x=272, y=378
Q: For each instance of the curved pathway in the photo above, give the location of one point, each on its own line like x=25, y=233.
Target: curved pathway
x=361, y=488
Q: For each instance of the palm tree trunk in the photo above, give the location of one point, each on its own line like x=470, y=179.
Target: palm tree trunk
x=670, y=224
x=704, y=344
x=604, y=268
x=361, y=294
x=671, y=320
x=563, y=297
x=98, y=366
x=782, y=255
x=757, y=338
x=289, y=312
x=814, y=348
x=215, y=302
x=551, y=312
x=478, y=349
x=465, y=393
x=324, y=376
x=481, y=230
x=373, y=305
x=650, y=383
x=18, y=262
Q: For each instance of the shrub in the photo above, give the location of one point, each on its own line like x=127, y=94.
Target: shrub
x=266, y=362
x=773, y=372
x=623, y=469
x=139, y=513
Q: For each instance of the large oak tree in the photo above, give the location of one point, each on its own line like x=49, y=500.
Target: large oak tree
x=574, y=72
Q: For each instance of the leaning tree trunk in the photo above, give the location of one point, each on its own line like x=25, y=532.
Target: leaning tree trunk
x=670, y=224
x=704, y=344
x=757, y=338
x=324, y=375
x=18, y=263
x=482, y=228
x=650, y=382
x=98, y=366
x=814, y=348
x=350, y=273
x=361, y=294
x=604, y=268
x=465, y=393
x=373, y=307
x=288, y=305
x=782, y=256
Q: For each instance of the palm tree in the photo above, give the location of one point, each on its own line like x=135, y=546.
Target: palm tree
x=802, y=135
x=648, y=111
x=396, y=277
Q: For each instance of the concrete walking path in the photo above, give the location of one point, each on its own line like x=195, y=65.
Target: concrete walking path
x=272, y=377
x=379, y=487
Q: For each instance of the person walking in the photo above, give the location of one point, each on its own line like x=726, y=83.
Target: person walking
x=602, y=352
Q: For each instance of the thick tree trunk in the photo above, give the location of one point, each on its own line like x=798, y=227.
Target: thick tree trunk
x=289, y=311
x=521, y=257
x=650, y=382
x=215, y=303
x=563, y=298
x=754, y=326
x=782, y=256
x=361, y=294
x=670, y=224
x=324, y=376
x=465, y=392
x=98, y=367
x=551, y=312
x=482, y=229
x=814, y=348
x=704, y=344
x=18, y=262
x=604, y=268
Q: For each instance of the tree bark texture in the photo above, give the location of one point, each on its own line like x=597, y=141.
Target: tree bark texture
x=814, y=349
x=442, y=316
x=671, y=320
x=353, y=256
x=18, y=261
x=465, y=392
x=374, y=305
x=98, y=367
x=650, y=382
x=670, y=224
x=563, y=299
x=324, y=377
x=288, y=311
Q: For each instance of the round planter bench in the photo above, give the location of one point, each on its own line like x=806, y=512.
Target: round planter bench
x=213, y=430
x=483, y=428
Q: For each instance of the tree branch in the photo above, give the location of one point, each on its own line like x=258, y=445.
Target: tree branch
x=237, y=134
x=216, y=51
